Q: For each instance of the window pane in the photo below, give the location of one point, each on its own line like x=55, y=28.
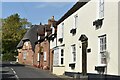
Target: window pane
x=103, y=49
x=62, y=60
x=103, y=60
x=102, y=1
x=24, y=55
x=74, y=57
x=102, y=43
x=45, y=56
x=73, y=52
x=62, y=52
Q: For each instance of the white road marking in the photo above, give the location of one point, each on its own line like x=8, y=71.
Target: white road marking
x=15, y=73
x=17, y=77
x=12, y=69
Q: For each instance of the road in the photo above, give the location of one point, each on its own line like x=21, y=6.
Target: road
x=20, y=72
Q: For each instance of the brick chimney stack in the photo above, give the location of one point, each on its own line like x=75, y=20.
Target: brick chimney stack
x=50, y=21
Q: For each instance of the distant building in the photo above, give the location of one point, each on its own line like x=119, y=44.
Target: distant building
x=34, y=48
x=26, y=47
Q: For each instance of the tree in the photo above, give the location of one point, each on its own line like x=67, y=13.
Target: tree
x=12, y=32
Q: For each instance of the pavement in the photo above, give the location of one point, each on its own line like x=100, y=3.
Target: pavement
x=47, y=71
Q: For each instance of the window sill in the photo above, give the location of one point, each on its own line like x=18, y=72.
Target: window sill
x=100, y=68
x=103, y=52
x=58, y=66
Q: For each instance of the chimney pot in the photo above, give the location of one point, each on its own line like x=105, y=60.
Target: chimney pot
x=52, y=17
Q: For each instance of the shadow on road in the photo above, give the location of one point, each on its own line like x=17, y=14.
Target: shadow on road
x=4, y=72
x=12, y=65
x=7, y=76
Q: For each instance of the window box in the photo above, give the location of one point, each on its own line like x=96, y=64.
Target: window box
x=88, y=50
x=72, y=65
x=73, y=31
x=98, y=23
x=60, y=40
x=100, y=68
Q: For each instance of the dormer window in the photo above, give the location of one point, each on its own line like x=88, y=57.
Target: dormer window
x=26, y=43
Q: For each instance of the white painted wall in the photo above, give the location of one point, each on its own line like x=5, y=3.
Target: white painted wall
x=119, y=36
x=58, y=70
x=59, y=34
x=53, y=44
x=87, y=14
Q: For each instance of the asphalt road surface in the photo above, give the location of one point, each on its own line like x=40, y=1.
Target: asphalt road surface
x=12, y=71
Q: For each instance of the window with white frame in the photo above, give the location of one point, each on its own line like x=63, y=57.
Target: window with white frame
x=38, y=57
x=103, y=49
x=56, y=57
x=62, y=56
x=45, y=56
x=101, y=8
x=102, y=43
x=26, y=43
x=73, y=50
x=24, y=55
x=75, y=21
x=103, y=58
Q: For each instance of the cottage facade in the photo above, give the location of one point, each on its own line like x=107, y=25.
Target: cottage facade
x=36, y=45
x=98, y=20
x=59, y=56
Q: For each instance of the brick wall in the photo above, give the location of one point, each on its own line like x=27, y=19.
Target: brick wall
x=37, y=49
x=45, y=45
x=26, y=50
